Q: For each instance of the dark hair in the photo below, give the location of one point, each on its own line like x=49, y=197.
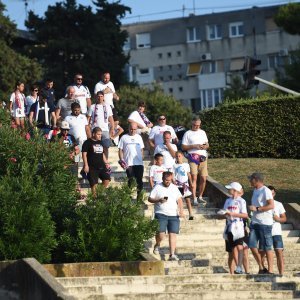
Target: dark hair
x=96, y=129
x=141, y=104
x=271, y=187
x=100, y=93
x=166, y=174
x=33, y=87
x=179, y=151
x=43, y=94
x=157, y=155
x=49, y=80
x=75, y=105
x=19, y=82
x=167, y=132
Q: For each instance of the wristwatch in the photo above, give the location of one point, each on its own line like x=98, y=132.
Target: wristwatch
x=257, y=207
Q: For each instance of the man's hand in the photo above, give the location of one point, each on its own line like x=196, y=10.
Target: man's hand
x=107, y=90
x=276, y=218
x=86, y=169
x=252, y=208
x=162, y=200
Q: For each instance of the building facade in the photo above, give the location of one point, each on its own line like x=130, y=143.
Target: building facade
x=195, y=57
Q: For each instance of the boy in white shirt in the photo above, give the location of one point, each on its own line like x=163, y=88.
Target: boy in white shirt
x=279, y=217
x=183, y=180
x=156, y=170
x=235, y=210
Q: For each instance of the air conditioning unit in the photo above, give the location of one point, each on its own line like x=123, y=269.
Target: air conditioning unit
x=206, y=56
x=284, y=52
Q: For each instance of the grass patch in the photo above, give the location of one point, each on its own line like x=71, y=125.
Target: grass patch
x=283, y=174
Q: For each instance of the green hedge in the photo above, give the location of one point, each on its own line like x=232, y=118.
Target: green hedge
x=254, y=128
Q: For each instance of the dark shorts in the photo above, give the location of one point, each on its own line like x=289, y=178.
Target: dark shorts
x=95, y=174
x=170, y=223
x=230, y=243
x=277, y=242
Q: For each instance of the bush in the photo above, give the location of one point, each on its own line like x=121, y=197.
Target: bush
x=254, y=128
x=109, y=227
x=157, y=103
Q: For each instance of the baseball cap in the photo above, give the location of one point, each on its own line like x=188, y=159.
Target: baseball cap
x=257, y=176
x=65, y=125
x=235, y=186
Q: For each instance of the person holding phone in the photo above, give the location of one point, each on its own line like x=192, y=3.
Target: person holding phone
x=168, y=208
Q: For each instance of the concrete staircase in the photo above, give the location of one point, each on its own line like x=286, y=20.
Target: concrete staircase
x=202, y=271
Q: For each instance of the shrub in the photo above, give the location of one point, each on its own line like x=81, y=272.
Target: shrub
x=254, y=128
x=109, y=227
x=157, y=103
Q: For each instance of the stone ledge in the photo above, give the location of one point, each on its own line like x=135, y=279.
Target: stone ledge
x=27, y=279
x=293, y=214
x=145, y=268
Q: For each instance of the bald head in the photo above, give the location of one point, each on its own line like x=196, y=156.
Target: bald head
x=133, y=128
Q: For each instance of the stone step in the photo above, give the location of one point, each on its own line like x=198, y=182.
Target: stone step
x=210, y=295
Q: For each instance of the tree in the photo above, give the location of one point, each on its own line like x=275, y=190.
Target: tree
x=72, y=38
x=13, y=66
x=288, y=17
x=236, y=90
x=157, y=103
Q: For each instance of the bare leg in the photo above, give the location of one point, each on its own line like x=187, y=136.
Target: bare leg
x=270, y=259
x=263, y=258
x=105, y=150
x=257, y=257
x=246, y=260
x=93, y=188
x=105, y=183
x=172, y=242
x=280, y=260
x=159, y=237
x=202, y=185
x=194, y=188
x=231, y=263
x=189, y=206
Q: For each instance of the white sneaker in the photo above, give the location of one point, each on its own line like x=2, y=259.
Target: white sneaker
x=156, y=250
x=173, y=257
x=202, y=200
x=195, y=202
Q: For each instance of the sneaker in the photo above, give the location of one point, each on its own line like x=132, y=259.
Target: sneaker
x=263, y=271
x=191, y=218
x=202, y=200
x=156, y=250
x=238, y=270
x=173, y=257
x=195, y=202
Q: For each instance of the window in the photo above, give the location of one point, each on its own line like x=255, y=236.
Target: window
x=179, y=66
x=193, y=34
x=170, y=67
x=161, y=68
x=180, y=89
x=209, y=67
x=237, y=64
x=170, y=90
x=193, y=69
x=161, y=78
x=143, y=40
x=179, y=76
x=211, y=98
x=144, y=71
x=170, y=77
x=214, y=32
x=178, y=53
x=273, y=61
x=160, y=55
x=169, y=54
x=236, y=29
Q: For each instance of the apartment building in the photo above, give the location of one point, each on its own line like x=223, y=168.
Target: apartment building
x=195, y=57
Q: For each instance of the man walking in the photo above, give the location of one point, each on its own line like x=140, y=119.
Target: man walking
x=167, y=200
x=131, y=154
x=195, y=142
x=63, y=107
x=262, y=205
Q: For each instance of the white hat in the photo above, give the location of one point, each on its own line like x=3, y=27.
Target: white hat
x=235, y=186
x=64, y=125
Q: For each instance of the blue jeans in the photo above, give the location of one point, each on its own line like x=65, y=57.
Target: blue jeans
x=168, y=222
x=261, y=234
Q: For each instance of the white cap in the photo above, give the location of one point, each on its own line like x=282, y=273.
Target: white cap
x=235, y=186
x=64, y=125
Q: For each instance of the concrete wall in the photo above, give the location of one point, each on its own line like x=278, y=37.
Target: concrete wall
x=293, y=214
x=216, y=192
x=28, y=279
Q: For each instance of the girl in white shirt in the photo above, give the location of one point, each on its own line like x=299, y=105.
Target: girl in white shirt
x=17, y=104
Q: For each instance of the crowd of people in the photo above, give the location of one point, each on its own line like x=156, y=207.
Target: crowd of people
x=178, y=172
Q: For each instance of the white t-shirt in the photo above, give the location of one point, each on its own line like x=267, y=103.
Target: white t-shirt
x=278, y=210
x=77, y=127
x=169, y=208
x=108, y=97
x=135, y=116
x=169, y=161
x=181, y=173
x=157, y=132
x=29, y=101
x=192, y=137
x=156, y=172
x=237, y=205
x=18, y=111
x=259, y=198
x=99, y=114
x=81, y=94
x=132, y=146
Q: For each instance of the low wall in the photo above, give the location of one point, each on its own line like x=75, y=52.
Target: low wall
x=146, y=268
x=293, y=214
x=216, y=192
x=28, y=279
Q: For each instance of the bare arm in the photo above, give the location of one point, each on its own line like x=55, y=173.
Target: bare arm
x=85, y=162
x=270, y=205
x=31, y=118
x=88, y=102
x=88, y=131
x=171, y=150
x=151, y=142
x=53, y=119
x=180, y=207
x=281, y=218
x=112, y=126
x=121, y=156
x=57, y=113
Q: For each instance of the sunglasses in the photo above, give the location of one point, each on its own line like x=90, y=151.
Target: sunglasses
x=78, y=78
x=35, y=90
x=161, y=119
